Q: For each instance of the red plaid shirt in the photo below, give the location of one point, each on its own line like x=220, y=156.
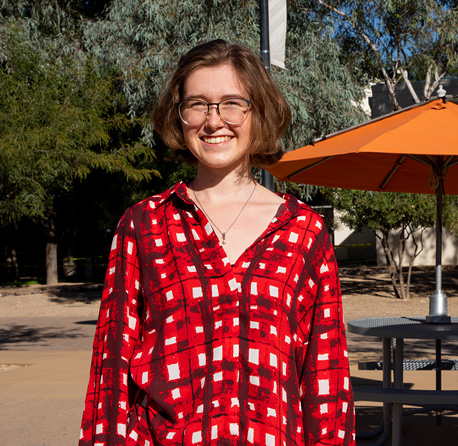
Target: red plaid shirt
x=190, y=350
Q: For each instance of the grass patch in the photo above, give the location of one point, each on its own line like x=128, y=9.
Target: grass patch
x=24, y=282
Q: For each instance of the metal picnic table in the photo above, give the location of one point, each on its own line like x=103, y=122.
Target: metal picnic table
x=393, y=331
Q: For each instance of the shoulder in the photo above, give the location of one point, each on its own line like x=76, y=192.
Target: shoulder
x=154, y=206
x=303, y=215
x=157, y=201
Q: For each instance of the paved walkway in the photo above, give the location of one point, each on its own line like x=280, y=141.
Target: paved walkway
x=46, y=365
x=42, y=402
x=46, y=362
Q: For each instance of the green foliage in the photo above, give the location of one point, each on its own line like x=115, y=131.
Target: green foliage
x=394, y=40
x=382, y=211
x=389, y=213
x=144, y=40
x=59, y=119
x=319, y=89
x=51, y=18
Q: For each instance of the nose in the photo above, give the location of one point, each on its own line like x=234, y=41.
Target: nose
x=213, y=118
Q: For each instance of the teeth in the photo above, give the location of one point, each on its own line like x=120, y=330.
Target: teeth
x=217, y=140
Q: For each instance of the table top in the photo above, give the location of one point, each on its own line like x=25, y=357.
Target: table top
x=404, y=327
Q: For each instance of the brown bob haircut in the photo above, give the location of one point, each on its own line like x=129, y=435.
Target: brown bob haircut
x=271, y=114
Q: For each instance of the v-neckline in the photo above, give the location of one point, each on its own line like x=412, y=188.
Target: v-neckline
x=278, y=220
x=282, y=207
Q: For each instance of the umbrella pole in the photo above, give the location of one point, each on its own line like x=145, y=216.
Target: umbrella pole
x=267, y=180
x=438, y=300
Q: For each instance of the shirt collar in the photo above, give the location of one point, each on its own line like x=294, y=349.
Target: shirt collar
x=292, y=205
x=180, y=190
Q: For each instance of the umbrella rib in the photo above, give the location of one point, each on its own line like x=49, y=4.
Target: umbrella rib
x=392, y=171
x=304, y=169
x=451, y=161
x=422, y=159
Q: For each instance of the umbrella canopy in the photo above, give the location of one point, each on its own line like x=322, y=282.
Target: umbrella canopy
x=399, y=152
x=413, y=150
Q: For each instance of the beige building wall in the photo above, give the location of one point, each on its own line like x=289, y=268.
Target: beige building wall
x=350, y=245
x=428, y=256
x=359, y=246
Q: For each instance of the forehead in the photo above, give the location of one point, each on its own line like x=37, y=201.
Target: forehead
x=214, y=83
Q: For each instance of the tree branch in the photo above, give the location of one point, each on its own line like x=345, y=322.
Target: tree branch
x=389, y=82
x=405, y=75
x=429, y=87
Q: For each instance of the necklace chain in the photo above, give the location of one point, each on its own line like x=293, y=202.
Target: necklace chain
x=223, y=234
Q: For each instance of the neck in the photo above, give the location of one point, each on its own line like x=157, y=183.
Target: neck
x=214, y=185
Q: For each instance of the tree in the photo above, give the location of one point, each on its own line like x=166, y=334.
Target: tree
x=144, y=40
x=59, y=119
x=406, y=214
x=395, y=40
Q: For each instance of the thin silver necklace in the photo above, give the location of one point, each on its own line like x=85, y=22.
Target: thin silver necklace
x=223, y=234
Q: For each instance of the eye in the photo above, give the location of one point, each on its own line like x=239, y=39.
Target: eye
x=196, y=105
x=234, y=103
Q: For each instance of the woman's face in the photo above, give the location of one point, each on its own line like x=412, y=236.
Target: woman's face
x=216, y=144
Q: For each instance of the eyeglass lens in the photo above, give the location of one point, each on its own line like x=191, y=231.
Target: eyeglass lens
x=232, y=111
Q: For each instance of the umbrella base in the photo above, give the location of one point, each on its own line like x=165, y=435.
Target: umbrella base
x=439, y=319
x=438, y=303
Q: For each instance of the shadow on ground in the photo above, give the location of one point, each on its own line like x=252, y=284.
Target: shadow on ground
x=19, y=334
x=418, y=429
x=376, y=281
x=76, y=295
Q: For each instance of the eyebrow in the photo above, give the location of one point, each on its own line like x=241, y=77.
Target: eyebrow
x=203, y=98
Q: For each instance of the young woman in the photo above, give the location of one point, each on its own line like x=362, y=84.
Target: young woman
x=221, y=318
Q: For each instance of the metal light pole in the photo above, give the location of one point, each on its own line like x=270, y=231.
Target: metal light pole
x=267, y=179
x=265, y=45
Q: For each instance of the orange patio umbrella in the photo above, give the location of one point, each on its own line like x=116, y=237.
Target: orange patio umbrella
x=413, y=150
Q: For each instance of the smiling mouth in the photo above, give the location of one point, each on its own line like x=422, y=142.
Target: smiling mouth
x=216, y=140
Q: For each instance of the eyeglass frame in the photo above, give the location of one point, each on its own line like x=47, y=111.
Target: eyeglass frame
x=178, y=105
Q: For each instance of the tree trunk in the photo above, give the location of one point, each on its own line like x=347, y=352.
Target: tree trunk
x=409, y=277
x=414, y=95
x=417, y=251
x=399, y=266
x=51, y=252
x=12, y=264
x=12, y=238
x=391, y=264
x=402, y=286
x=51, y=263
x=68, y=246
x=430, y=86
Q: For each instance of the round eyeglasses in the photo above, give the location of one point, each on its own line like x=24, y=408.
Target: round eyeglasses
x=232, y=111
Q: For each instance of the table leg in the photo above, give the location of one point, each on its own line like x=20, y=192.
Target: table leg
x=398, y=384
x=387, y=384
x=438, y=378
x=384, y=430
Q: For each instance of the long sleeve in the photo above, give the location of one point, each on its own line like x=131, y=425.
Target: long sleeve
x=192, y=350
x=327, y=398
x=106, y=410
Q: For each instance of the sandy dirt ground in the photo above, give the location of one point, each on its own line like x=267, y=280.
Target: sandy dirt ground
x=39, y=322
x=367, y=292
x=63, y=317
